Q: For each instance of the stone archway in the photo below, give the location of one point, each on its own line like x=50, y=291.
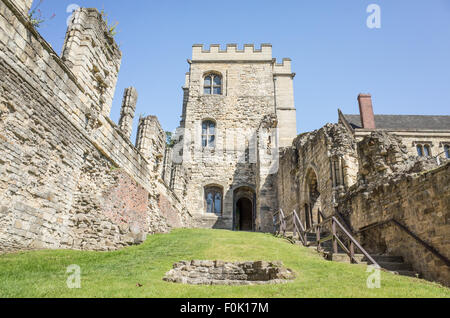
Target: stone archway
x=313, y=204
x=244, y=209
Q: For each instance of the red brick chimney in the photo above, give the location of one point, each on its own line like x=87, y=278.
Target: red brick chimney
x=366, y=111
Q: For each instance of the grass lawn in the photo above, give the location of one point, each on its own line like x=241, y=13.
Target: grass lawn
x=115, y=274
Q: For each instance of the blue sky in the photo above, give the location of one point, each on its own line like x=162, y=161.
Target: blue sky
x=405, y=64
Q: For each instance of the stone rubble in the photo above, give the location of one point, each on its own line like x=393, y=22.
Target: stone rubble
x=226, y=273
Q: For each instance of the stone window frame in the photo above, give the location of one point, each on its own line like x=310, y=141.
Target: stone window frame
x=214, y=189
x=208, y=134
x=424, y=148
x=337, y=171
x=213, y=74
x=446, y=152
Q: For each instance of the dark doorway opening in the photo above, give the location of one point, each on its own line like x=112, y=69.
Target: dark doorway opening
x=244, y=209
x=308, y=217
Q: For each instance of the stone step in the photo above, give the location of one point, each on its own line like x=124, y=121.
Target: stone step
x=403, y=269
x=329, y=248
x=387, y=258
x=344, y=258
x=395, y=266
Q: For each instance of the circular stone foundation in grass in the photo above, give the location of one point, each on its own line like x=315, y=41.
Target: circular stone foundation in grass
x=224, y=273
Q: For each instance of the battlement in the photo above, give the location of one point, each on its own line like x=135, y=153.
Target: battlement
x=231, y=53
x=284, y=68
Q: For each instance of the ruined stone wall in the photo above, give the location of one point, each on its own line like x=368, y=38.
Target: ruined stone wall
x=309, y=164
x=382, y=181
x=58, y=150
x=151, y=143
x=413, y=191
x=288, y=183
x=94, y=58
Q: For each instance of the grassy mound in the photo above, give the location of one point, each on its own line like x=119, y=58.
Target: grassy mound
x=116, y=274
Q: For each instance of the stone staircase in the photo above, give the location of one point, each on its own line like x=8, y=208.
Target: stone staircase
x=393, y=264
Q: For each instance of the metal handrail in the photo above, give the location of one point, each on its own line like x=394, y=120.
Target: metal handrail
x=336, y=241
x=280, y=225
x=301, y=230
x=298, y=227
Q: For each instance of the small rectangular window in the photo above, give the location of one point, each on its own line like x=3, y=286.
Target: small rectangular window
x=212, y=85
x=208, y=134
x=447, y=151
x=336, y=170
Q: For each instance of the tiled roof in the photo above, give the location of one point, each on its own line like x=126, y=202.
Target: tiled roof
x=404, y=122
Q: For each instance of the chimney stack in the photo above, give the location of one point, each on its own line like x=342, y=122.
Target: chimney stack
x=366, y=111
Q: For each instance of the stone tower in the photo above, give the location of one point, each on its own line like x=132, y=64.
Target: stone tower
x=128, y=110
x=238, y=108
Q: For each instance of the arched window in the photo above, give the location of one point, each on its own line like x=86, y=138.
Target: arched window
x=208, y=134
x=213, y=200
x=423, y=150
x=427, y=150
x=212, y=84
x=419, y=150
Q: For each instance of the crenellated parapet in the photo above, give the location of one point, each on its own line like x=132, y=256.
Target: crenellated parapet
x=128, y=110
x=231, y=53
x=284, y=68
x=93, y=56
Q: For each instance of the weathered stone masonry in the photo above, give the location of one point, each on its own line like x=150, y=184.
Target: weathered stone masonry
x=377, y=180
x=255, y=99
x=61, y=157
x=412, y=191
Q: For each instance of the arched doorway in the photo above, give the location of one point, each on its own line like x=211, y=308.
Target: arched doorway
x=244, y=213
x=244, y=209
